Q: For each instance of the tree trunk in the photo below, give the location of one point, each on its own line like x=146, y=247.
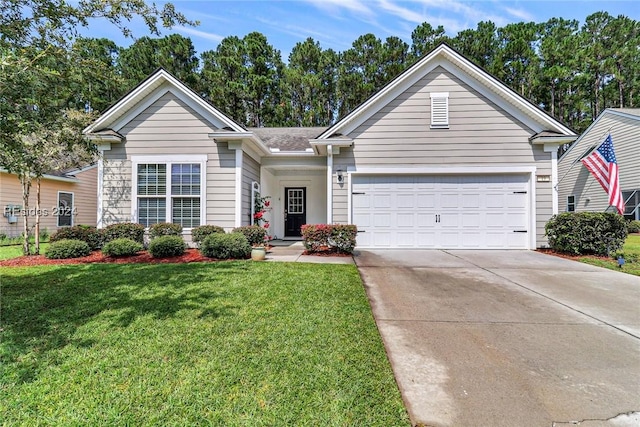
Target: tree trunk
x=25, y=181
x=36, y=249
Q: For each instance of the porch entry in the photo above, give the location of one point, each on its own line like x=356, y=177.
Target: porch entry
x=295, y=210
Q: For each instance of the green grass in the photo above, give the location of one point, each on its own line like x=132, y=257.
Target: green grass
x=630, y=249
x=233, y=344
x=14, y=251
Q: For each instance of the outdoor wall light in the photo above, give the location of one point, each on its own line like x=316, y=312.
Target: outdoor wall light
x=340, y=176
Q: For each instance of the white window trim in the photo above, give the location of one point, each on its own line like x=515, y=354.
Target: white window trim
x=439, y=97
x=73, y=205
x=574, y=202
x=169, y=159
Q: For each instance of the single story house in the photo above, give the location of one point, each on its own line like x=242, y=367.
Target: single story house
x=578, y=190
x=66, y=198
x=444, y=156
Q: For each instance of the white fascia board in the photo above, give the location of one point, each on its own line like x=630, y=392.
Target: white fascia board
x=116, y=118
x=50, y=177
x=471, y=74
x=593, y=125
x=443, y=170
x=239, y=137
x=553, y=140
x=504, y=93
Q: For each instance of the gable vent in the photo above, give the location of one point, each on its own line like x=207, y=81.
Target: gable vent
x=440, y=110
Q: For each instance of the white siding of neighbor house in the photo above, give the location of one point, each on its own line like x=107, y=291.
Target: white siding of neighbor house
x=480, y=134
x=85, y=196
x=250, y=173
x=169, y=127
x=578, y=181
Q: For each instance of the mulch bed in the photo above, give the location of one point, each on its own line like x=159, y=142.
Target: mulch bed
x=190, y=255
x=571, y=256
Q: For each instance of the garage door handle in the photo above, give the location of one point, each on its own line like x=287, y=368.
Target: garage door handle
x=519, y=231
x=519, y=192
x=362, y=231
x=355, y=193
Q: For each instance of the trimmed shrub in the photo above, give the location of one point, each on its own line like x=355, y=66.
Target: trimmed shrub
x=580, y=233
x=329, y=237
x=167, y=246
x=255, y=234
x=124, y=230
x=67, y=248
x=633, y=227
x=90, y=235
x=225, y=246
x=198, y=234
x=121, y=247
x=165, y=229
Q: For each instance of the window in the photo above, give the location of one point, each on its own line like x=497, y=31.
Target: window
x=65, y=209
x=440, y=110
x=632, y=204
x=571, y=203
x=169, y=192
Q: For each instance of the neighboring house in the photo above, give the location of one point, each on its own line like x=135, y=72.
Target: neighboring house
x=444, y=156
x=578, y=190
x=66, y=199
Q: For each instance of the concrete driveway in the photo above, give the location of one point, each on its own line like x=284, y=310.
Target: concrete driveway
x=507, y=338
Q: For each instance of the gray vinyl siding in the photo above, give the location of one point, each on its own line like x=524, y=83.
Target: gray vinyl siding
x=170, y=127
x=250, y=173
x=480, y=134
x=577, y=180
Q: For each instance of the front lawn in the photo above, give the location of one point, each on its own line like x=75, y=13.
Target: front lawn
x=230, y=343
x=631, y=249
x=14, y=251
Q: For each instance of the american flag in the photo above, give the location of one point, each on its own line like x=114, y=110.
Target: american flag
x=603, y=166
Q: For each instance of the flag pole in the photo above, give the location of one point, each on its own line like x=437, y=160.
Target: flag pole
x=602, y=139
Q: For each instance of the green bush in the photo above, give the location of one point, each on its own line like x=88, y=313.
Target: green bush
x=167, y=246
x=67, y=248
x=198, y=234
x=225, y=246
x=329, y=237
x=255, y=234
x=121, y=247
x=165, y=229
x=586, y=232
x=90, y=235
x=633, y=227
x=124, y=230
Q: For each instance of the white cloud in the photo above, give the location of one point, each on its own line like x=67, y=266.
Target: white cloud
x=354, y=6
x=198, y=33
x=402, y=12
x=519, y=13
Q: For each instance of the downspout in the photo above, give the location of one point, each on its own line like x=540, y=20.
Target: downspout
x=553, y=150
x=238, y=205
x=329, y=184
x=99, y=222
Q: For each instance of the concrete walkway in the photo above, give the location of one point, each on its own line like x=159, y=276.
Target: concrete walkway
x=293, y=251
x=507, y=338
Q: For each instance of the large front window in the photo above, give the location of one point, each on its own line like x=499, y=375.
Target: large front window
x=169, y=192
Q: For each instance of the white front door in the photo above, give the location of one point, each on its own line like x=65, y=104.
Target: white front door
x=442, y=211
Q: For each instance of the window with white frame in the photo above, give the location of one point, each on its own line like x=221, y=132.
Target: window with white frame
x=440, y=110
x=571, y=203
x=65, y=209
x=631, y=204
x=169, y=192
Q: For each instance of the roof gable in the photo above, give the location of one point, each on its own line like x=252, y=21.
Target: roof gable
x=150, y=90
x=627, y=113
x=478, y=79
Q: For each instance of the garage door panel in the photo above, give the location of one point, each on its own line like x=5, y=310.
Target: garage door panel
x=432, y=211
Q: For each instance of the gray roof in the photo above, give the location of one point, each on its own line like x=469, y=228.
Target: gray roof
x=287, y=139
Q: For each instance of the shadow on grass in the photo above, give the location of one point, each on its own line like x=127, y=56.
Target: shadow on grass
x=42, y=308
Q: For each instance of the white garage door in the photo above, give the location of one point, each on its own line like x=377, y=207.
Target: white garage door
x=427, y=211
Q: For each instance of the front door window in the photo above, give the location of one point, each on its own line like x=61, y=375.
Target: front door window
x=295, y=213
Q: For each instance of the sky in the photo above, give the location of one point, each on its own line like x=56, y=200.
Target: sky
x=336, y=24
